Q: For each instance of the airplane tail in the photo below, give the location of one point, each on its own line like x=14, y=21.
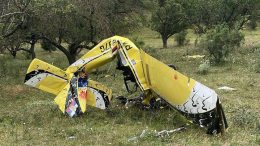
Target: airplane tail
x=46, y=77
x=74, y=91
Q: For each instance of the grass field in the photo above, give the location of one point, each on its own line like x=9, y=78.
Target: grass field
x=30, y=117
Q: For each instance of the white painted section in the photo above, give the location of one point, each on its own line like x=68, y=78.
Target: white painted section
x=100, y=103
x=37, y=78
x=201, y=100
x=87, y=60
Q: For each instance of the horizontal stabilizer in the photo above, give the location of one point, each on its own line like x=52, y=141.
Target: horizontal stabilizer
x=98, y=95
x=46, y=77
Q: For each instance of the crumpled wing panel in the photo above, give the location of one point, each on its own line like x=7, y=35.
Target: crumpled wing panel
x=60, y=99
x=170, y=84
x=183, y=93
x=98, y=95
x=73, y=104
x=46, y=77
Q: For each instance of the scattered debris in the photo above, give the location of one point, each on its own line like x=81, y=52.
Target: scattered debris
x=142, y=134
x=164, y=132
x=195, y=56
x=112, y=75
x=227, y=88
x=125, y=100
x=135, y=138
x=132, y=139
x=71, y=137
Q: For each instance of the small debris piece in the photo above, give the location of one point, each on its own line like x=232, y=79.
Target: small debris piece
x=164, y=132
x=142, y=134
x=132, y=139
x=195, y=56
x=227, y=88
x=72, y=137
x=139, y=123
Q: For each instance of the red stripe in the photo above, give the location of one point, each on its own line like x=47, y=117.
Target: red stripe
x=114, y=48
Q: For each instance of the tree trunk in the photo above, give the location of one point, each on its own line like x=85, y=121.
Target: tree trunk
x=72, y=58
x=32, y=49
x=164, y=39
x=14, y=53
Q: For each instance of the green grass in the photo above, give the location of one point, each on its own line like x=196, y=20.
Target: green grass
x=30, y=116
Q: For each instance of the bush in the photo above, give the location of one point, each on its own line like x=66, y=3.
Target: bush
x=138, y=42
x=252, y=24
x=27, y=55
x=150, y=50
x=180, y=38
x=219, y=42
x=48, y=47
x=204, y=67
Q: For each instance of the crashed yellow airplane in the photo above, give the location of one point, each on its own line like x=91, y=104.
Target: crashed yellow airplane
x=74, y=90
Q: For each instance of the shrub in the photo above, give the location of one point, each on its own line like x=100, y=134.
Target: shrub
x=204, y=67
x=150, y=50
x=180, y=38
x=138, y=42
x=27, y=55
x=221, y=40
x=252, y=24
x=48, y=47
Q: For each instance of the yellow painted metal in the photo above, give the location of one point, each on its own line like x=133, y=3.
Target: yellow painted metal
x=104, y=50
x=171, y=85
x=61, y=98
x=98, y=86
x=148, y=97
x=51, y=84
x=91, y=100
x=133, y=58
x=149, y=72
x=100, y=50
x=37, y=64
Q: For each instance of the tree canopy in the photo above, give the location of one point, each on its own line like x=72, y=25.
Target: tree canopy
x=73, y=25
x=70, y=25
x=167, y=19
x=203, y=15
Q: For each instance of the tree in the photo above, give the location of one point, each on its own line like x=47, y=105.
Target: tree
x=16, y=42
x=48, y=47
x=167, y=19
x=72, y=25
x=198, y=14
x=13, y=16
x=205, y=14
